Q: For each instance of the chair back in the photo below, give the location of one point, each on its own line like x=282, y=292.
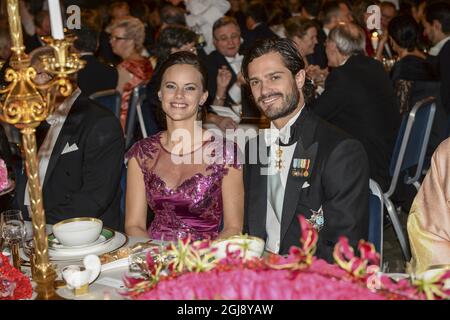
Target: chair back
x=412, y=141
x=136, y=98
x=376, y=217
x=110, y=99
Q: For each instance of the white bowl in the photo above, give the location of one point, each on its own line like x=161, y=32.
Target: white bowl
x=78, y=231
x=254, y=245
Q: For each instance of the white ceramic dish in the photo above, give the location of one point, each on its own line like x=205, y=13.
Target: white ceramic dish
x=77, y=231
x=106, y=236
x=249, y=247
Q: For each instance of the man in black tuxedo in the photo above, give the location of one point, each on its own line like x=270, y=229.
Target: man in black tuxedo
x=226, y=87
x=95, y=76
x=256, y=21
x=359, y=99
x=81, y=152
x=304, y=166
x=437, y=27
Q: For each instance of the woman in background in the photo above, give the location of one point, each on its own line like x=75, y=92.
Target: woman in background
x=127, y=36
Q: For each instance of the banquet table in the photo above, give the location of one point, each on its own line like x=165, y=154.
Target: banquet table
x=105, y=287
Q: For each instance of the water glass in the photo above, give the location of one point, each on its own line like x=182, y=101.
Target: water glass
x=12, y=230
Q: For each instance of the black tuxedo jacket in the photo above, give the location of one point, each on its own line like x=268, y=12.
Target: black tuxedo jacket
x=359, y=98
x=338, y=181
x=85, y=182
x=96, y=76
x=441, y=64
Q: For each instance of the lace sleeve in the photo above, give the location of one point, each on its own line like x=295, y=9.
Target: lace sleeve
x=143, y=151
x=403, y=92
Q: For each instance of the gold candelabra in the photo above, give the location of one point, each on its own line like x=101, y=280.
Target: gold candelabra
x=25, y=104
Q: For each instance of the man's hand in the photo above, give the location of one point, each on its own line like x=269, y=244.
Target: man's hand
x=223, y=80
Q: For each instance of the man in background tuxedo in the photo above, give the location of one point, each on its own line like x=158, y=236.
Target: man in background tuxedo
x=304, y=166
x=81, y=150
x=95, y=76
x=437, y=28
x=310, y=10
x=256, y=21
x=42, y=23
x=359, y=99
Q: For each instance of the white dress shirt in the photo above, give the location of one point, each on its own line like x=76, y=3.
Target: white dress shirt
x=273, y=224
x=235, y=90
x=438, y=47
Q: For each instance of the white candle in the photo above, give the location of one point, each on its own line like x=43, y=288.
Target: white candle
x=55, y=19
x=374, y=40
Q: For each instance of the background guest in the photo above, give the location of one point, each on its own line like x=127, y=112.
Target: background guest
x=256, y=22
x=370, y=115
x=414, y=77
x=88, y=77
x=437, y=27
x=127, y=41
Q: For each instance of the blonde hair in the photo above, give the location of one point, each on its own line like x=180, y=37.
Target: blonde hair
x=134, y=30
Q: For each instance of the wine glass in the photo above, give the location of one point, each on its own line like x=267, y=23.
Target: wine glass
x=13, y=231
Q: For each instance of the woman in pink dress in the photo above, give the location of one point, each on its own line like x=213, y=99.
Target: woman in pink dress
x=127, y=36
x=191, y=179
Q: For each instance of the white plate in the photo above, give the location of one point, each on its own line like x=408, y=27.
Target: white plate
x=117, y=242
x=106, y=236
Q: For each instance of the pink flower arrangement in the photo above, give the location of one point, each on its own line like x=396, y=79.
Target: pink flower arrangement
x=4, y=183
x=192, y=273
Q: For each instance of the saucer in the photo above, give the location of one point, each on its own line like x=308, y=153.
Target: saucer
x=105, y=236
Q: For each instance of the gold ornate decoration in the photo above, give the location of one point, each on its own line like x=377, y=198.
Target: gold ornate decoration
x=25, y=104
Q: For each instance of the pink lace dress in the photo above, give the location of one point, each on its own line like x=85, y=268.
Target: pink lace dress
x=184, y=192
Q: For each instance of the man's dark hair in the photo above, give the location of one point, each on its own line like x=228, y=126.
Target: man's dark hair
x=257, y=11
x=174, y=36
x=329, y=9
x=312, y=7
x=439, y=11
x=172, y=15
x=405, y=31
x=291, y=57
x=87, y=39
x=183, y=57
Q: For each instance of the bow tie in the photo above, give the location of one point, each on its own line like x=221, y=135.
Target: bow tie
x=283, y=138
x=236, y=60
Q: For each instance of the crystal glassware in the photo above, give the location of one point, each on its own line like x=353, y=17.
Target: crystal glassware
x=13, y=232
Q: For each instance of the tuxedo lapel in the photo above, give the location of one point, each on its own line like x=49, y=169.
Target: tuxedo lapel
x=258, y=194
x=305, y=149
x=70, y=127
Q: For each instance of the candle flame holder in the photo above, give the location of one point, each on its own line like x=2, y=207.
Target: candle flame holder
x=25, y=104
